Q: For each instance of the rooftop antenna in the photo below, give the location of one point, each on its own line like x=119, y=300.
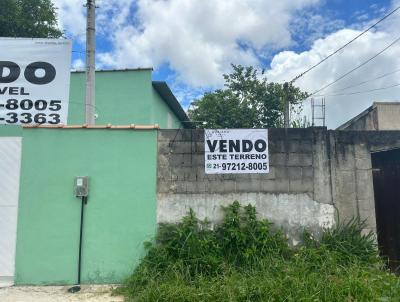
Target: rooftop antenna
x=321, y=117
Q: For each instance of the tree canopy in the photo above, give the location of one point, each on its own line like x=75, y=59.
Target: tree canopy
x=247, y=100
x=28, y=19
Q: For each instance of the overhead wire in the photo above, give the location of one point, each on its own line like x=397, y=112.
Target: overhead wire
x=345, y=45
x=356, y=68
x=362, y=91
x=366, y=81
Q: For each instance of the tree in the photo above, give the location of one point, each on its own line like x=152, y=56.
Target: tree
x=247, y=101
x=28, y=19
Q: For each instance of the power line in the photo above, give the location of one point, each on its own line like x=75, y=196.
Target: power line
x=357, y=67
x=363, y=82
x=363, y=91
x=348, y=43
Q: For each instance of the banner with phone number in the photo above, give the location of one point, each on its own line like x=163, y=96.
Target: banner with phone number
x=236, y=151
x=34, y=81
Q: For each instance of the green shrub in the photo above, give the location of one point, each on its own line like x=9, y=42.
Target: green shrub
x=243, y=259
x=347, y=239
x=245, y=239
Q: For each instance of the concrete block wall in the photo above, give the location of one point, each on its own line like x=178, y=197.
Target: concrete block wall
x=351, y=171
x=316, y=177
x=295, y=194
x=181, y=165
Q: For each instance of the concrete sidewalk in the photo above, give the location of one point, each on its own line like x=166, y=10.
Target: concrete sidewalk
x=88, y=293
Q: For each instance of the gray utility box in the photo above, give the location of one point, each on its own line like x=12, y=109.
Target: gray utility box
x=81, y=186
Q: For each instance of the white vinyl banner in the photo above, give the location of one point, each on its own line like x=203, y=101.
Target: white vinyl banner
x=235, y=151
x=34, y=81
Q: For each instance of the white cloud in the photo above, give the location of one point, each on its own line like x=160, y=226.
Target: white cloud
x=71, y=17
x=78, y=64
x=110, y=16
x=286, y=65
x=199, y=39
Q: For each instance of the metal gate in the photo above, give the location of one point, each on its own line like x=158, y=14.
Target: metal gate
x=10, y=161
x=386, y=172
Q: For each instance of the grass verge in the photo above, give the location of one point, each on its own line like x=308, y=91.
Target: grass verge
x=243, y=259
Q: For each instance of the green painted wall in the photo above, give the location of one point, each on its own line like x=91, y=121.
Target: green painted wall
x=10, y=130
x=120, y=214
x=162, y=112
x=122, y=98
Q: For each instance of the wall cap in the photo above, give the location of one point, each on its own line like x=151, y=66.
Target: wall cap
x=85, y=126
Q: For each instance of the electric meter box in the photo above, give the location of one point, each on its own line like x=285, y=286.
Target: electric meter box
x=81, y=186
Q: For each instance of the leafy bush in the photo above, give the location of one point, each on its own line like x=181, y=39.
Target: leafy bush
x=347, y=239
x=244, y=239
x=242, y=259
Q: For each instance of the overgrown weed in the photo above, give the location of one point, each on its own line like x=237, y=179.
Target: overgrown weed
x=243, y=259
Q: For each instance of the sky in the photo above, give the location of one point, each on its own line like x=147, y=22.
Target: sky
x=192, y=43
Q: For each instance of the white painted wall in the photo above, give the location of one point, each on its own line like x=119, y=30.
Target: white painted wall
x=10, y=162
x=294, y=213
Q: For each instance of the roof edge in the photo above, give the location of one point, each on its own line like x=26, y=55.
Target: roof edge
x=357, y=117
x=116, y=70
x=169, y=98
x=86, y=126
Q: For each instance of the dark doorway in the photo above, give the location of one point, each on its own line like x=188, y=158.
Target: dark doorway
x=386, y=172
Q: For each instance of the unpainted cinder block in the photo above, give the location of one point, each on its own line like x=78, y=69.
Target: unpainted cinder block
x=198, y=160
x=278, y=159
x=196, y=187
x=301, y=186
x=282, y=186
x=163, y=147
x=180, y=186
x=296, y=146
x=188, y=160
x=199, y=147
x=295, y=173
x=346, y=182
x=270, y=175
x=214, y=186
x=221, y=186
x=268, y=186
x=277, y=146
x=363, y=163
x=366, y=205
x=182, y=147
x=166, y=187
x=162, y=161
x=169, y=135
x=163, y=173
x=307, y=172
x=300, y=159
x=250, y=185
x=281, y=172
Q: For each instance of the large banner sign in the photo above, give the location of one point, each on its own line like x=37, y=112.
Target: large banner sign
x=234, y=151
x=34, y=81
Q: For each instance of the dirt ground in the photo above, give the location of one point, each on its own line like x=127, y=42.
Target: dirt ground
x=88, y=293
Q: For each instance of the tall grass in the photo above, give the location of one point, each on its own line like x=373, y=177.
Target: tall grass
x=242, y=259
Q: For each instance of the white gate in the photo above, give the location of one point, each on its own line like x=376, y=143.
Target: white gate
x=10, y=162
